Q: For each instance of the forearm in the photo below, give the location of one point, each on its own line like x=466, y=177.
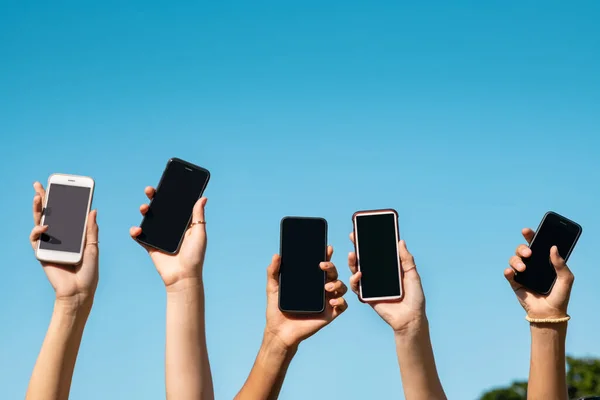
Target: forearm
x=267, y=375
x=420, y=379
x=547, y=372
x=187, y=367
x=53, y=371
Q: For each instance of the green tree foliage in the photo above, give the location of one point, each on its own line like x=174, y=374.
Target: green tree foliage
x=583, y=379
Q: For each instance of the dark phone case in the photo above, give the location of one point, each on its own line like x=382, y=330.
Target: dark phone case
x=324, y=258
x=357, y=213
x=189, y=165
x=579, y=231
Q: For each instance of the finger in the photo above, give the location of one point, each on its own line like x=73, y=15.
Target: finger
x=273, y=272
x=517, y=263
x=92, y=227
x=329, y=253
x=406, y=259
x=150, y=191
x=39, y=189
x=198, y=216
x=562, y=271
x=528, y=234
x=144, y=209
x=339, y=306
x=135, y=231
x=36, y=232
x=330, y=270
x=37, y=209
x=352, y=237
x=509, y=274
x=352, y=264
x=336, y=289
x=354, y=281
x=523, y=251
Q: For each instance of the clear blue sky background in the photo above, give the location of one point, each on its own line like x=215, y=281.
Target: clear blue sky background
x=471, y=118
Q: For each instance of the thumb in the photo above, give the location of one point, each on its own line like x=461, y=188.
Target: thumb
x=198, y=215
x=273, y=273
x=562, y=271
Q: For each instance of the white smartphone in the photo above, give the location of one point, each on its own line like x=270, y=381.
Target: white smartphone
x=66, y=208
x=376, y=239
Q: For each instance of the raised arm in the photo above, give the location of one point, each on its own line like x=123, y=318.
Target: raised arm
x=547, y=371
x=283, y=333
x=408, y=320
x=74, y=287
x=187, y=367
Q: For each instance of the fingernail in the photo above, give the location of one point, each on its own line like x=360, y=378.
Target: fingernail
x=521, y=265
x=333, y=302
x=329, y=286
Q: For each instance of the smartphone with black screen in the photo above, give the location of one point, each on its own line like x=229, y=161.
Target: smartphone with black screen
x=170, y=212
x=303, y=246
x=554, y=230
x=376, y=244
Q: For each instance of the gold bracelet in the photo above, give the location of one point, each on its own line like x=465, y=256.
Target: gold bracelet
x=547, y=320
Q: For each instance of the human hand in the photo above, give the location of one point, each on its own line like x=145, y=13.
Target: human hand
x=404, y=314
x=74, y=284
x=290, y=329
x=553, y=305
x=176, y=269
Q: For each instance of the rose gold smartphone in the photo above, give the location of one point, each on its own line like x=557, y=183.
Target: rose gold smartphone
x=376, y=239
x=66, y=209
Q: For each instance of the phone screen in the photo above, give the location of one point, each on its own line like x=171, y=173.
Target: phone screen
x=65, y=215
x=301, y=280
x=170, y=210
x=378, y=255
x=554, y=231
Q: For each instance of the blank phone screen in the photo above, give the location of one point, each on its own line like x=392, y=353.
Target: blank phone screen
x=378, y=255
x=540, y=273
x=170, y=211
x=301, y=280
x=65, y=213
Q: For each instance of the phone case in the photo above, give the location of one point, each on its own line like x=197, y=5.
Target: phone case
x=324, y=275
x=189, y=165
x=363, y=212
x=566, y=258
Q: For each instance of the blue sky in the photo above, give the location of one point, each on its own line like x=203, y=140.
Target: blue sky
x=472, y=119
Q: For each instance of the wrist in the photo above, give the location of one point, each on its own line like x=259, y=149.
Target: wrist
x=73, y=308
x=273, y=344
x=413, y=328
x=185, y=285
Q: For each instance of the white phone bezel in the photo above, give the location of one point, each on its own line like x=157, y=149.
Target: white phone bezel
x=66, y=257
x=356, y=238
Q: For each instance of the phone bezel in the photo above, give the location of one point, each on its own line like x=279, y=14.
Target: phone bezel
x=566, y=258
x=366, y=213
x=309, y=312
x=57, y=256
x=186, y=164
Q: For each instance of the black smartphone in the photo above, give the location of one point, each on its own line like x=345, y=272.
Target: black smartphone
x=376, y=243
x=554, y=230
x=303, y=247
x=170, y=212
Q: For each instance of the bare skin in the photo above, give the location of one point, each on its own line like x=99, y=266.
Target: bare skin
x=408, y=320
x=547, y=371
x=187, y=367
x=284, y=333
x=74, y=287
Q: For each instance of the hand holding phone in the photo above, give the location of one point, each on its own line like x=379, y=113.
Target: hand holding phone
x=65, y=236
x=187, y=263
x=304, y=293
x=399, y=302
x=539, y=274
